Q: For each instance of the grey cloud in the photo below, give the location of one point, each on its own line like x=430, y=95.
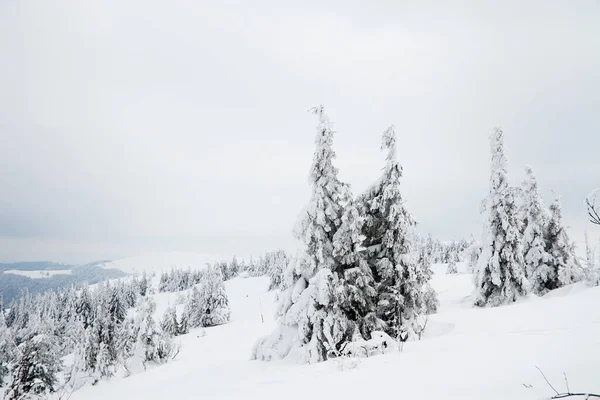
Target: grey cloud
x=130, y=126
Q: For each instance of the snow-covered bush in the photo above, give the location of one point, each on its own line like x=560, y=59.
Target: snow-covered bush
x=380, y=343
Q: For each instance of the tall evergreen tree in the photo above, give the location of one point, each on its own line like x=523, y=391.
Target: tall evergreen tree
x=306, y=315
x=564, y=265
x=535, y=218
x=500, y=276
x=400, y=282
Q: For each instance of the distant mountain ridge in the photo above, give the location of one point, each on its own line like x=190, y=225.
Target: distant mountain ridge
x=13, y=285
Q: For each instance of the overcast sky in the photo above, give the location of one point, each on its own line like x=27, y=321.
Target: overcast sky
x=131, y=126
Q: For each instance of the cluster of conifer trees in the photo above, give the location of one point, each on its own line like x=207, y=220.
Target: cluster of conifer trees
x=525, y=246
x=357, y=272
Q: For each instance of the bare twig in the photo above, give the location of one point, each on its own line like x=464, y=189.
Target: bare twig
x=568, y=394
x=567, y=382
x=593, y=212
x=546, y=379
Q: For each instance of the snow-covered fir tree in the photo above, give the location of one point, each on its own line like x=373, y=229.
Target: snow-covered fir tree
x=400, y=282
x=306, y=313
x=535, y=219
x=184, y=326
x=452, y=268
x=169, y=323
x=592, y=266
x=278, y=262
x=564, y=267
x=500, y=276
x=214, y=302
x=36, y=368
x=472, y=254
x=193, y=311
x=144, y=285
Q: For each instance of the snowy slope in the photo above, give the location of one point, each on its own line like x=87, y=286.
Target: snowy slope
x=466, y=353
x=157, y=262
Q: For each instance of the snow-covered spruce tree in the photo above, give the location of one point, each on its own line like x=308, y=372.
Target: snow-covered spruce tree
x=306, y=316
x=452, y=268
x=214, y=302
x=563, y=264
x=535, y=218
x=169, y=324
x=593, y=267
x=35, y=370
x=194, y=308
x=117, y=307
x=277, y=265
x=184, y=326
x=500, y=276
x=400, y=282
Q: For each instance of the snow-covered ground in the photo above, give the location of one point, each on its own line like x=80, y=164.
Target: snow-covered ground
x=157, y=262
x=39, y=273
x=466, y=353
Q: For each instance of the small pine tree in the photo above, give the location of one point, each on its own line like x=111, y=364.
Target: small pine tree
x=473, y=252
x=500, y=276
x=214, y=302
x=535, y=218
x=143, y=285
x=117, y=307
x=184, y=324
x=564, y=265
x=277, y=268
x=169, y=324
x=194, y=309
x=452, y=268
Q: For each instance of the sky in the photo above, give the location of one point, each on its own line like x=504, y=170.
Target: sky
x=131, y=126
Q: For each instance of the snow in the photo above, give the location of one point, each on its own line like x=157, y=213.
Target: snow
x=157, y=262
x=38, y=274
x=465, y=353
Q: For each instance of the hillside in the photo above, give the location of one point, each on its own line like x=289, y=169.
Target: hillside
x=466, y=353
x=157, y=262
